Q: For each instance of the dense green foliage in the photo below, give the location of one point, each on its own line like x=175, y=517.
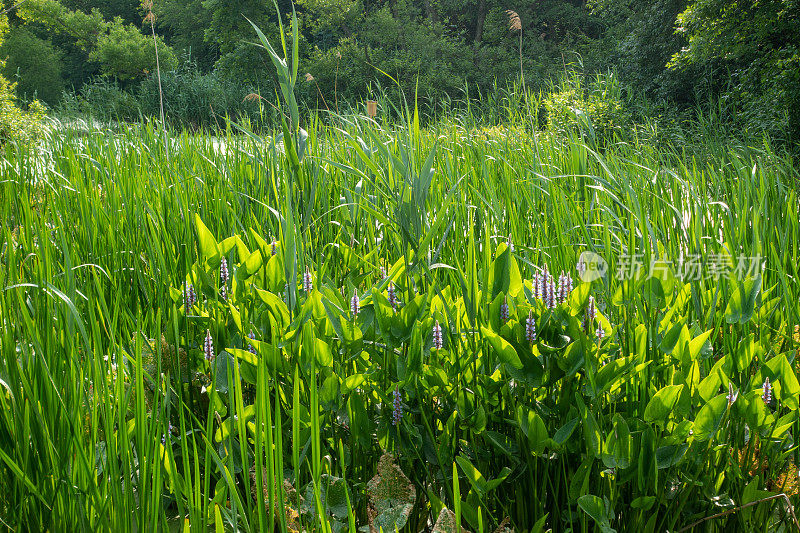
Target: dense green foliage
x=35, y=63
x=118, y=49
x=354, y=325
x=16, y=123
x=583, y=317
x=754, y=48
x=739, y=57
x=94, y=266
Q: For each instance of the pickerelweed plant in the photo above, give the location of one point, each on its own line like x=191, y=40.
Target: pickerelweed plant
x=547, y=396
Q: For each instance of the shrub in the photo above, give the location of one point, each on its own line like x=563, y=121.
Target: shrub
x=196, y=100
x=597, y=110
x=104, y=100
x=16, y=123
x=192, y=100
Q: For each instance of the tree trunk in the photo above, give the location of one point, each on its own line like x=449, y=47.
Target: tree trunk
x=479, y=22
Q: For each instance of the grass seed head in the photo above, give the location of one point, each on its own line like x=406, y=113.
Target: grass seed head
x=514, y=22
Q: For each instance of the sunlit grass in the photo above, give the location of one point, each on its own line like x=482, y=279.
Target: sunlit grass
x=100, y=236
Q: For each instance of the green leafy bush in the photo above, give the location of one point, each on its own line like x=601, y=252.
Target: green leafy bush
x=15, y=123
x=192, y=100
x=196, y=100
x=124, y=53
x=597, y=110
x=105, y=100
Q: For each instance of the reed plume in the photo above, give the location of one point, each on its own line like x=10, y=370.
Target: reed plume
x=515, y=24
x=150, y=18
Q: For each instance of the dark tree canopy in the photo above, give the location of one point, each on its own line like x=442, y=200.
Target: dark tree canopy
x=677, y=52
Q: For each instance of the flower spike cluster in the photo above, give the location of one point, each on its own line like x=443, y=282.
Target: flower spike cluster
x=767, y=394
x=251, y=348
x=208, y=346
x=189, y=296
x=392, y=293
x=530, y=328
x=504, y=312
x=438, y=340
x=224, y=273
x=397, y=408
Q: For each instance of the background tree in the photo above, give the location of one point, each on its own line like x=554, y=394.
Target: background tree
x=752, y=50
x=740, y=55
x=35, y=64
x=119, y=49
x=16, y=123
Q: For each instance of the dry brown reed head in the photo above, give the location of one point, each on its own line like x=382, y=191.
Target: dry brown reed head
x=252, y=97
x=147, y=5
x=514, y=22
x=309, y=77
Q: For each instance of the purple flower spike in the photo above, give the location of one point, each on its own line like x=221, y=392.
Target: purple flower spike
x=562, y=287
x=308, y=282
x=168, y=434
x=600, y=333
x=438, y=340
x=274, y=248
x=392, y=292
x=530, y=328
x=535, y=282
x=767, y=396
x=189, y=296
x=208, y=346
x=397, y=411
x=589, y=316
x=354, y=304
x=580, y=267
x=504, y=314
x=251, y=348
x=543, y=284
x=224, y=274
